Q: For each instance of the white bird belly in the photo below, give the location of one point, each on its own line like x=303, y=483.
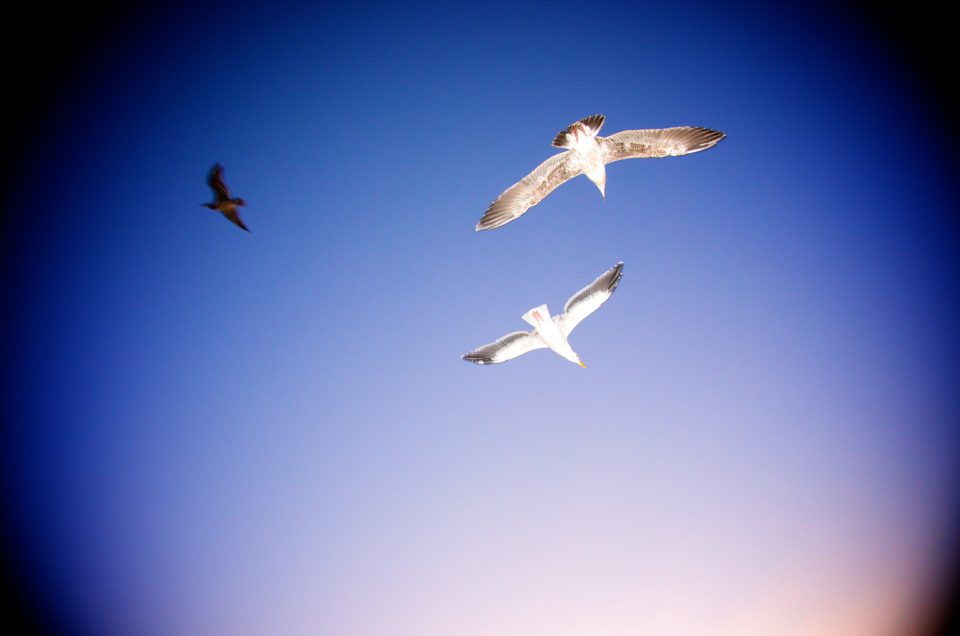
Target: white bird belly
x=547, y=329
x=591, y=159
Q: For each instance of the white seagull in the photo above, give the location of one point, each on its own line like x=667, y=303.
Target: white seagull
x=589, y=154
x=551, y=332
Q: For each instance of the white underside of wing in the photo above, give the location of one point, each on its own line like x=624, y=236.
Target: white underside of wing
x=506, y=348
x=571, y=318
x=588, y=300
x=658, y=142
x=529, y=191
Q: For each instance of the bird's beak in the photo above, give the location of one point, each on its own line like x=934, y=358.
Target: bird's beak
x=580, y=362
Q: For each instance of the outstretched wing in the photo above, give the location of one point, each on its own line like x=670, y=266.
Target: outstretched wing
x=588, y=300
x=234, y=217
x=506, y=348
x=658, y=142
x=215, y=181
x=530, y=190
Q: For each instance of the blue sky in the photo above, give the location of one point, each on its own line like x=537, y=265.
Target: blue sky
x=231, y=433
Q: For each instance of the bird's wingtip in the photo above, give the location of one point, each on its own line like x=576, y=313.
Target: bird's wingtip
x=617, y=271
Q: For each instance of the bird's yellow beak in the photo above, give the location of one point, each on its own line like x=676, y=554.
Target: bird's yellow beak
x=580, y=362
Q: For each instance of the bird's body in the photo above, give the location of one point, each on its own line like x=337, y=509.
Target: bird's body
x=551, y=331
x=223, y=202
x=585, y=150
x=588, y=153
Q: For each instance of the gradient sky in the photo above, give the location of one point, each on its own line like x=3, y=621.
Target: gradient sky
x=215, y=432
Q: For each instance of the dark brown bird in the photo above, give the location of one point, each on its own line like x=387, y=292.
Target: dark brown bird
x=224, y=203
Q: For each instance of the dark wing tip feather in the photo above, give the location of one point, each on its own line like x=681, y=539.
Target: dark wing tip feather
x=476, y=358
x=562, y=140
x=703, y=138
x=216, y=173
x=487, y=354
x=616, y=275
x=234, y=217
x=604, y=283
x=529, y=191
x=496, y=215
x=215, y=181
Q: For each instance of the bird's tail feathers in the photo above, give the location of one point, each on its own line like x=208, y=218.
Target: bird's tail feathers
x=536, y=315
x=592, y=124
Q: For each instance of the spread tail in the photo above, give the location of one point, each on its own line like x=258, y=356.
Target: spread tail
x=591, y=125
x=537, y=315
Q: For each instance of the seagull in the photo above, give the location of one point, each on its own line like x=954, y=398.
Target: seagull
x=551, y=332
x=224, y=203
x=587, y=153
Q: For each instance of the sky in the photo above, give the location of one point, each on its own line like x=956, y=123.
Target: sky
x=215, y=432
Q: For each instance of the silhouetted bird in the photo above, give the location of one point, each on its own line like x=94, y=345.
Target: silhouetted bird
x=589, y=154
x=224, y=203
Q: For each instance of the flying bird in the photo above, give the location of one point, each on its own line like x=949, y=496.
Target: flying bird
x=224, y=203
x=587, y=153
x=550, y=331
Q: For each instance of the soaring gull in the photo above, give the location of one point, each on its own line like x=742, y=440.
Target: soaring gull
x=551, y=331
x=587, y=153
x=223, y=202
